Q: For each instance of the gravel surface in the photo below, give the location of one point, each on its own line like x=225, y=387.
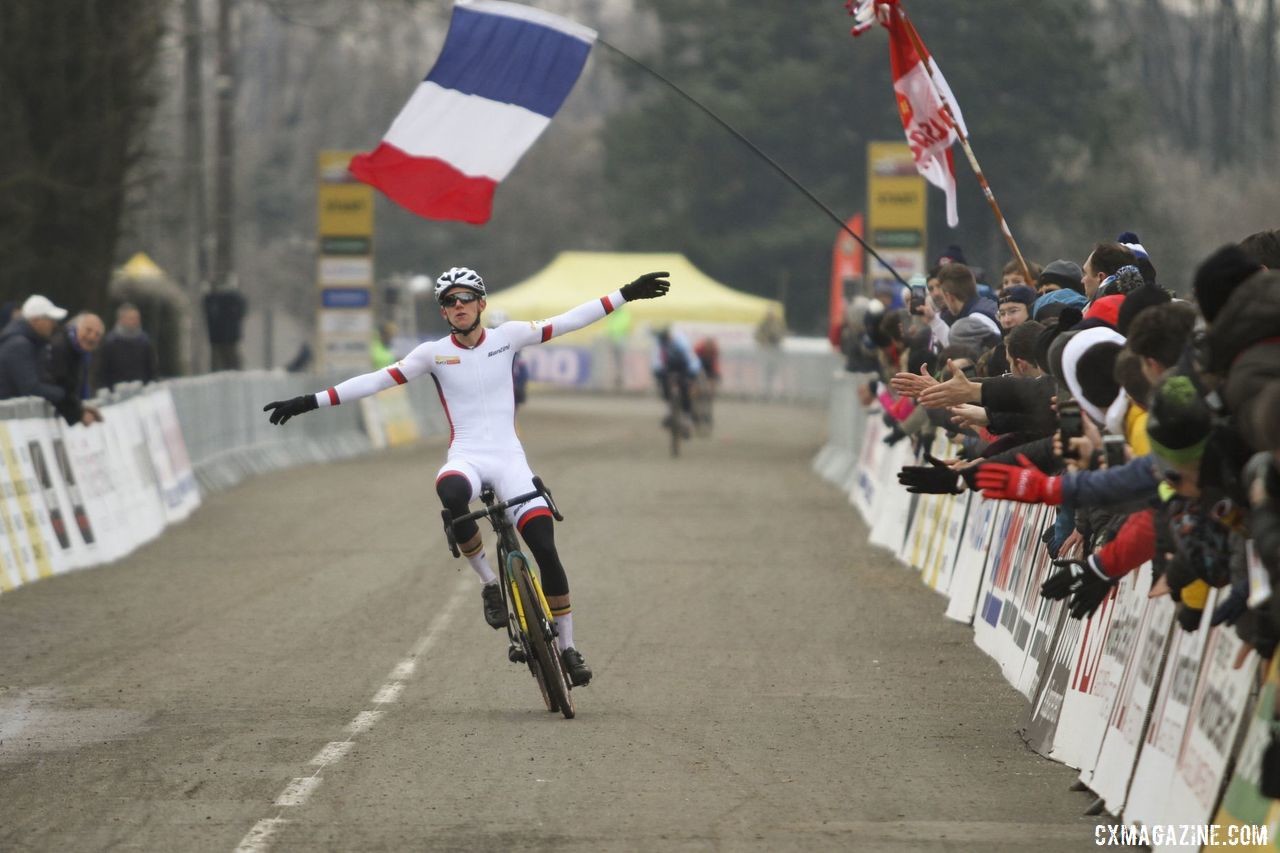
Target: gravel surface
x=763, y=679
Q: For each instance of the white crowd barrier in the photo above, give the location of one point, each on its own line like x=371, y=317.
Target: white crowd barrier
x=80, y=496
x=1166, y=727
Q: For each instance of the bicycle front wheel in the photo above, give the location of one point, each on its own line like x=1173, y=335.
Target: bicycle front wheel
x=542, y=639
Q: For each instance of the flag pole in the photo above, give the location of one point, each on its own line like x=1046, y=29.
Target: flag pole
x=968, y=150
x=759, y=153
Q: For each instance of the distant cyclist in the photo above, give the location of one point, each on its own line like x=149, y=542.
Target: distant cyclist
x=674, y=355
x=708, y=352
x=471, y=369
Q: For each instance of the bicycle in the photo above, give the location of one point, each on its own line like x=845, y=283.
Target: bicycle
x=675, y=421
x=531, y=631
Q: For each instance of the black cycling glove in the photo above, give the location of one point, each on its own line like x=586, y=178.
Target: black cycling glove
x=1087, y=600
x=927, y=480
x=651, y=285
x=282, y=410
x=1075, y=576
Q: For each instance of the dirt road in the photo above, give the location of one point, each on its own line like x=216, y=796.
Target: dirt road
x=301, y=666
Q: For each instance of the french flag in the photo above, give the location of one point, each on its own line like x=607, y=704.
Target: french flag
x=503, y=73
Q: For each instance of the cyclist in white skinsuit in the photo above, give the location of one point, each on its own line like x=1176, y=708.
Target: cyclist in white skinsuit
x=471, y=369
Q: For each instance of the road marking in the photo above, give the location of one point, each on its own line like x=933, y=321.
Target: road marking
x=300, y=788
x=364, y=721
x=259, y=838
x=332, y=752
x=388, y=693
x=298, y=791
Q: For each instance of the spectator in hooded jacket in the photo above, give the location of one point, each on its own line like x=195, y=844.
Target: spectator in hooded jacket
x=959, y=291
x=126, y=354
x=24, y=352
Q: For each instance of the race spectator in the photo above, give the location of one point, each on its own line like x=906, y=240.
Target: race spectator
x=24, y=352
x=126, y=354
x=70, y=353
x=1061, y=275
x=1012, y=274
x=1160, y=335
x=1103, y=262
x=959, y=290
x=1015, y=306
x=380, y=354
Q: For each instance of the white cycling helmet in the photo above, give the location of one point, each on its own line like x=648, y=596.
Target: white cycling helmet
x=459, y=277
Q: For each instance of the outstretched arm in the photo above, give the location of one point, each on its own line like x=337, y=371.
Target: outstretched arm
x=651, y=285
x=412, y=366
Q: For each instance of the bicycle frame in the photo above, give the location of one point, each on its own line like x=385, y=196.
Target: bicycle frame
x=530, y=629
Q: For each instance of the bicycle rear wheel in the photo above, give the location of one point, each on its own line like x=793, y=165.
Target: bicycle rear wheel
x=674, y=415
x=542, y=639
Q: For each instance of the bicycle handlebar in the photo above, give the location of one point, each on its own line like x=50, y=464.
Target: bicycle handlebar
x=540, y=491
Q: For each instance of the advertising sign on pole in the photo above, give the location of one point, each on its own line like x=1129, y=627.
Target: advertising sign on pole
x=344, y=269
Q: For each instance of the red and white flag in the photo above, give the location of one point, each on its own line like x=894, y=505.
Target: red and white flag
x=929, y=111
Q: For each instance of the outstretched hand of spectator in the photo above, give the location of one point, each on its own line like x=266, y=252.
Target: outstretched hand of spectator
x=936, y=478
x=912, y=384
x=956, y=391
x=1083, y=581
x=651, y=285
x=969, y=416
x=1024, y=482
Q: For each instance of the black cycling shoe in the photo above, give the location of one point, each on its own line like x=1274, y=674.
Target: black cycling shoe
x=494, y=611
x=575, y=667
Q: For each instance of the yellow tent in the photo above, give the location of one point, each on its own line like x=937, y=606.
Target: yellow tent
x=576, y=277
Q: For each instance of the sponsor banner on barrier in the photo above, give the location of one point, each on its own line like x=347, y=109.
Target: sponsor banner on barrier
x=35, y=522
x=558, y=365
x=94, y=461
x=1170, y=717
x=894, y=510
x=180, y=494
x=26, y=544
x=922, y=531
x=1243, y=804
x=1051, y=684
x=388, y=418
x=971, y=557
x=865, y=490
x=136, y=466
x=62, y=499
x=1127, y=724
x=1039, y=615
x=1215, y=718
x=996, y=609
x=166, y=419
x=941, y=560
x=1102, y=651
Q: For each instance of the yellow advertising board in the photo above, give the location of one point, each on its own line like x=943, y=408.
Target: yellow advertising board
x=345, y=204
x=895, y=197
x=344, y=270
x=895, y=211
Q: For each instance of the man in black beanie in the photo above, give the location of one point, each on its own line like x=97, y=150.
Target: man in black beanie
x=1218, y=276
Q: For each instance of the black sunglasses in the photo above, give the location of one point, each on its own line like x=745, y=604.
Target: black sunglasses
x=464, y=298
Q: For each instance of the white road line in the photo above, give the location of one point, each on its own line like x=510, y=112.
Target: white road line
x=388, y=693
x=364, y=721
x=259, y=838
x=299, y=789
x=333, y=751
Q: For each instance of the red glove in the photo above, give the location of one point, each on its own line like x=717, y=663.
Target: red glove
x=1024, y=483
